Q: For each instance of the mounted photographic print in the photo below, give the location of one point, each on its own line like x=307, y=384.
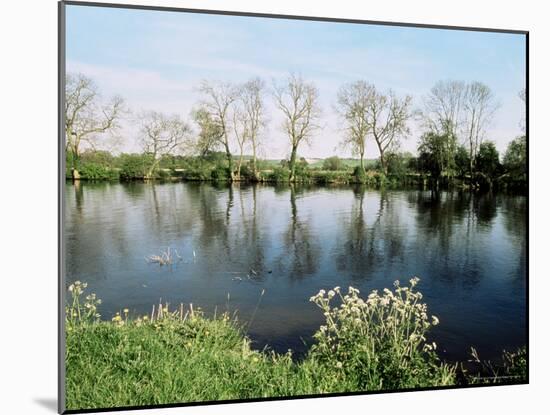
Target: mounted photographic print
x=258, y=207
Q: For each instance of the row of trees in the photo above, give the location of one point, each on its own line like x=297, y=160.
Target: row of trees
x=454, y=115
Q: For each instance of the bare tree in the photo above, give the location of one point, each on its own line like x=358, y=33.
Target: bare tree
x=387, y=117
x=443, y=108
x=218, y=98
x=353, y=100
x=162, y=135
x=298, y=100
x=241, y=128
x=252, y=99
x=86, y=117
x=479, y=108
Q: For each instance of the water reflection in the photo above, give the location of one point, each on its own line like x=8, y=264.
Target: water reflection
x=469, y=250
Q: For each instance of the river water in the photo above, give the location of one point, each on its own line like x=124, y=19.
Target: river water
x=237, y=241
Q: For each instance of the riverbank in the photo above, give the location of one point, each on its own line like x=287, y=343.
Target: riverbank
x=179, y=355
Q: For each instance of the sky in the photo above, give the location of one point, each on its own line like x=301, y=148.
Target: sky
x=156, y=60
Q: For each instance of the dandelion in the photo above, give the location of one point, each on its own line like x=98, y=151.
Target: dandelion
x=126, y=311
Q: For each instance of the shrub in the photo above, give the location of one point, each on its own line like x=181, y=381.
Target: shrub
x=333, y=163
x=94, y=171
x=197, y=173
x=332, y=177
x=134, y=166
x=359, y=174
x=279, y=175
x=379, y=342
x=163, y=174
x=220, y=173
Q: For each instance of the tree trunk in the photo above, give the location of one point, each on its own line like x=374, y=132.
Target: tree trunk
x=254, y=167
x=383, y=163
x=229, y=161
x=74, y=170
x=471, y=165
x=75, y=174
x=362, y=162
x=293, y=163
x=238, y=176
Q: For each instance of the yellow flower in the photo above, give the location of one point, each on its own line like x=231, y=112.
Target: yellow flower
x=125, y=311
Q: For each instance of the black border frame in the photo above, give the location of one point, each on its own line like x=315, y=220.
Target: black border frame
x=61, y=196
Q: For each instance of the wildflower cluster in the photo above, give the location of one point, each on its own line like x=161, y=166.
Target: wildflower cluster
x=80, y=310
x=379, y=339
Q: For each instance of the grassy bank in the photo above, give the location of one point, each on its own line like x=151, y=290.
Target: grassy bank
x=171, y=356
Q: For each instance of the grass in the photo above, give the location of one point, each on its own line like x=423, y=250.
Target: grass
x=175, y=356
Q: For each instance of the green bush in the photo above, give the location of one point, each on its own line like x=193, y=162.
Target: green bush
x=279, y=175
x=325, y=177
x=333, y=163
x=220, y=173
x=359, y=174
x=163, y=174
x=134, y=166
x=94, y=171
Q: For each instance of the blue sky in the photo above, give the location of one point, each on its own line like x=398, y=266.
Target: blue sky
x=156, y=59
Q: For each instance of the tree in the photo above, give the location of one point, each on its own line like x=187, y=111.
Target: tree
x=479, y=108
x=443, y=107
x=387, y=117
x=86, y=117
x=210, y=132
x=487, y=160
x=352, y=102
x=515, y=158
x=162, y=135
x=241, y=128
x=252, y=100
x=434, y=156
x=443, y=115
x=462, y=161
x=298, y=100
x=218, y=98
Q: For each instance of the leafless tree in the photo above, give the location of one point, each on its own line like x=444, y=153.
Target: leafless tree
x=218, y=98
x=353, y=100
x=299, y=102
x=241, y=128
x=252, y=99
x=479, y=108
x=86, y=117
x=443, y=108
x=387, y=117
x=162, y=135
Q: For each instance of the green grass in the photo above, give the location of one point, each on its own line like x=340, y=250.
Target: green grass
x=377, y=343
